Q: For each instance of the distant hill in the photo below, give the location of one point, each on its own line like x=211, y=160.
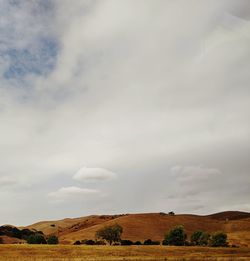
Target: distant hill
x=150, y=225
x=230, y=215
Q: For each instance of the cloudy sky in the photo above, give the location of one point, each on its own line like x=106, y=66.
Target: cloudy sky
x=123, y=106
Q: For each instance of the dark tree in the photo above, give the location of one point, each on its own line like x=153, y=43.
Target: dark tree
x=200, y=238
x=36, y=239
x=219, y=239
x=151, y=242
x=89, y=242
x=176, y=237
x=112, y=234
x=52, y=240
x=126, y=242
x=147, y=242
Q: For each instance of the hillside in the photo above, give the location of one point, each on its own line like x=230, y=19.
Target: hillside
x=150, y=225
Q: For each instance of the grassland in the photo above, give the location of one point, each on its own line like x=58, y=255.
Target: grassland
x=97, y=253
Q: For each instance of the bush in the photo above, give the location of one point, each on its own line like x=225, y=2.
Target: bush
x=200, y=238
x=36, y=239
x=100, y=242
x=147, y=242
x=89, y=242
x=77, y=242
x=138, y=243
x=219, y=239
x=112, y=234
x=156, y=243
x=176, y=237
x=151, y=242
x=53, y=240
x=126, y=242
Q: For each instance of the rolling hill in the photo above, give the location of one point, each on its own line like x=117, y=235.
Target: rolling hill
x=150, y=225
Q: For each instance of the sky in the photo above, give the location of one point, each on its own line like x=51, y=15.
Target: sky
x=123, y=106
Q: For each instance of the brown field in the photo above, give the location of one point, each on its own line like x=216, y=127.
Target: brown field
x=151, y=225
x=95, y=253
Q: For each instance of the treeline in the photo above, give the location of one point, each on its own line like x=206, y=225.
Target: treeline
x=41, y=239
x=30, y=236
x=178, y=237
x=175, y=237
x=11, y=231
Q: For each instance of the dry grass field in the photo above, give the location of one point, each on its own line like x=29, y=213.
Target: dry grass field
x=140, y=253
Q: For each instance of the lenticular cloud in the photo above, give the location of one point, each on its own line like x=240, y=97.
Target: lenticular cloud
x=93, y=174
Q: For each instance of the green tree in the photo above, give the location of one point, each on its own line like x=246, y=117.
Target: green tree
x=200, y=238
x=112, y=234
x=176, y=237
x=52, y=240
x=219, y=239
x=36, y=239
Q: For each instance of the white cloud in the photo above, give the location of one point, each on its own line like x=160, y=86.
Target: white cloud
x=93, y=174
x=72, y=192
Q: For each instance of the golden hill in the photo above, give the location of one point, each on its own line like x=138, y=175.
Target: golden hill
x=151, y=225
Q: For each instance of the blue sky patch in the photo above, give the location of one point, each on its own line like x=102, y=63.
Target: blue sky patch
x=38, y=60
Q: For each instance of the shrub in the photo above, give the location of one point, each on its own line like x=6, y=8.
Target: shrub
x=219, y=239
x=77, y=242
x=147, y=242
x=126, y=242
x=151, y=242
x=138, y=243
x=36, y=239
x=100, y=242
x=176, y=237
x=156, y=243
x=112, y=234
x=90, y=242
x=53, y=240
x=200, y=238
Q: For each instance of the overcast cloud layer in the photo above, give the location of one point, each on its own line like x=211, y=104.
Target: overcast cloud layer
x=120, y=106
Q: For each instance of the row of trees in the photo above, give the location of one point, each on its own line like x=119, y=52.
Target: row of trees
x=176, y=237
x=40, y=239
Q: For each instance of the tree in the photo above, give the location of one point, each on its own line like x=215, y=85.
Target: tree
x=36, y=239
x=112, y=234
x=53, y=240
x=176, y=237
x=200, y=238
x=151, y=242
x=148, y=242
x=219, y=239
x=126, y=242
